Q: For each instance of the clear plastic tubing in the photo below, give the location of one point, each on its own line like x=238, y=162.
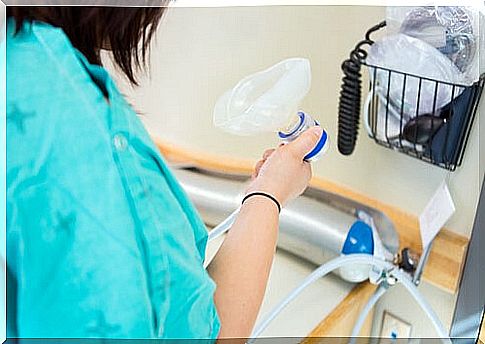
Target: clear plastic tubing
x=381, y=290
x=334, y=264
x=224, y=226
x=347, y=260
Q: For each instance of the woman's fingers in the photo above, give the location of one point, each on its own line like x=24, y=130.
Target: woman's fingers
x=257, y=168
x=282, y=172
x=268, y=153
x=305, y=142
x=259, y=165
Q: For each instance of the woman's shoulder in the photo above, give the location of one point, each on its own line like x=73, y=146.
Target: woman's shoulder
x=36, y=46
x=45, y=75
x=49, y=93
x=42, y=63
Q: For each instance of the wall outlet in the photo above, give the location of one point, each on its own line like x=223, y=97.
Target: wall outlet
x=393, y=328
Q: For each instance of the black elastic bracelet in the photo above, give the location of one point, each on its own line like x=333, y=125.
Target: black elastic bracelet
x=265, y=195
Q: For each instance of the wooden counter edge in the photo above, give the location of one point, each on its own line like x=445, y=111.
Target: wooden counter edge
x=446, y=259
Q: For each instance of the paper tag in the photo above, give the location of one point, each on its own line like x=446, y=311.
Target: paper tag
x=438, y=211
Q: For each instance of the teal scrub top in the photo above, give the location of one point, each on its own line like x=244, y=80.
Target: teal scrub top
x=101, y=239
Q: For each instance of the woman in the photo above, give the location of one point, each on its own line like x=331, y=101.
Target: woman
x=102, y=241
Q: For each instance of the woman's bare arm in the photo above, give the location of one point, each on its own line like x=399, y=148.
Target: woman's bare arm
x=242, y=265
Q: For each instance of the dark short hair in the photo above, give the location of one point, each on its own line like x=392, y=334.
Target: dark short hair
x=126, y=30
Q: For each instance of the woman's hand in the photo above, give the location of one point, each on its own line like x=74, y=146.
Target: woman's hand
x=282, y=172
x=249, y=247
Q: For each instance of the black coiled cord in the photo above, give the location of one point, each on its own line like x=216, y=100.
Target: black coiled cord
x=350, y=94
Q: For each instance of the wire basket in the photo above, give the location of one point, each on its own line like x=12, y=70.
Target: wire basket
x=424, y=118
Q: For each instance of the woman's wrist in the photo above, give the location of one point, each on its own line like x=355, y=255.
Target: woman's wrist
x=277, y=192
x=256, y=199
x=264, y=195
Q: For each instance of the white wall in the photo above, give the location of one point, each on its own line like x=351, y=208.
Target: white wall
x=201, y=52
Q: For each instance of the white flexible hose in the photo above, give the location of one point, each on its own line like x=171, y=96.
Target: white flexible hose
x=336, y=263
x=223, y=227
x=347, y=260
x=381, y=290
x=413, y=290
x=314, y=276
